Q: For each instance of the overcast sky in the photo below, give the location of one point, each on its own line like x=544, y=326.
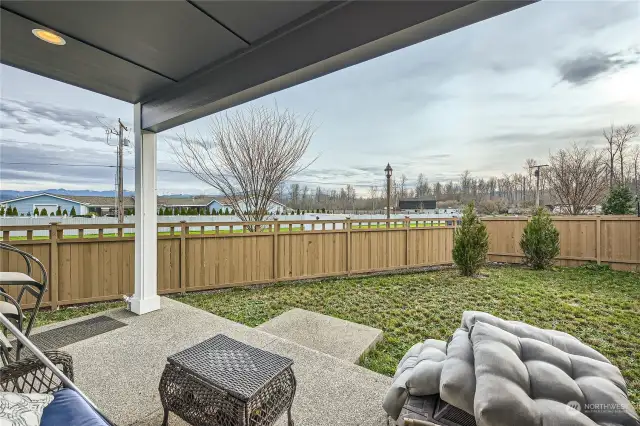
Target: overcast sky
x=483, y=98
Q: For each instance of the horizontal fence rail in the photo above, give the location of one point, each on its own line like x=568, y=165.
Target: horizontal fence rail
x=90, y=262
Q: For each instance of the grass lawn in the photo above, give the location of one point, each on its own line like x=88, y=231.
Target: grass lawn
x=600, y=307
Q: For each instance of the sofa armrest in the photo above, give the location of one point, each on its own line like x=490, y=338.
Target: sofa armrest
x=30, y=375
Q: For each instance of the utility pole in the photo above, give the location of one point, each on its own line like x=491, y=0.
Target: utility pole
x=536, y=173
x=122, y=143
x=120, y=199
x=388, y=170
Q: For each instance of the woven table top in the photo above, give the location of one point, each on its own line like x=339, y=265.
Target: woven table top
x=235, y=367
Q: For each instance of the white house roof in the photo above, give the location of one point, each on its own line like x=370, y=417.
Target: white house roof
x=60, y=197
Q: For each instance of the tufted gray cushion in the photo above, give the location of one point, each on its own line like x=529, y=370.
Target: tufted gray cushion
x=511, y=373
x=418, y=374
x=530, y=383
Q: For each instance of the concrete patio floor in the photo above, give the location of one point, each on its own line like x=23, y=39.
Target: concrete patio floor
x=120, y=370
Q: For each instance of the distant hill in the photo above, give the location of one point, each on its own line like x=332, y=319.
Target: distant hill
x=10, y=194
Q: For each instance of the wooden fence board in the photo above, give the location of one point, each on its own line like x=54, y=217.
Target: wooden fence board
x=92, y=269
x=618, y=239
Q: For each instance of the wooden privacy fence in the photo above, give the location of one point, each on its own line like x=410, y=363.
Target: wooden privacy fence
x=611, y=240
x=95, y=267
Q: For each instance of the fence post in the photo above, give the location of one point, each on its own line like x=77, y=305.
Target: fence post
x=407, y=224
x=53, y=265
x=598, y=255
x=348, y=225
x=183, y=255
x=276, y=231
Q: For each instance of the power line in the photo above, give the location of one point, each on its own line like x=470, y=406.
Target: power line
x=168, y=170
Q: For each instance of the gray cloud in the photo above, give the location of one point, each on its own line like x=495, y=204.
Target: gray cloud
x=29, y=129
x=86, y=137
x=584, y=68
x=34, y=112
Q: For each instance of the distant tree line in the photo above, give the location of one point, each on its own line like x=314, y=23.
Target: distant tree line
x=578, y=177
x=13, y=211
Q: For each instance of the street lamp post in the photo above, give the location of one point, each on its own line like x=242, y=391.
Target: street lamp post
x=536, y=173
x=388, y=170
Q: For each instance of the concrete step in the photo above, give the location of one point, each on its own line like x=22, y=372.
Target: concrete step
x=341, y=339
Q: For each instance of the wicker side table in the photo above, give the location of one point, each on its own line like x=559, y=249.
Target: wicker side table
x=224, y=382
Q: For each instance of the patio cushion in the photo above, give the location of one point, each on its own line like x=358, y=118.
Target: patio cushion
x=528, y=382
x=23, y=409
x=418, y=374
x=457, y=384
x=511, y=373
x=7, y=308
x=458, y=381
x=70, y=409
x=16, y=278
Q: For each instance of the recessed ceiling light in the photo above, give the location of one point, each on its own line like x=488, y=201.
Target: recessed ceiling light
x=49, y=37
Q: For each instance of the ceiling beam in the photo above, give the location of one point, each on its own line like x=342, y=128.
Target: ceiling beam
x=346, y=35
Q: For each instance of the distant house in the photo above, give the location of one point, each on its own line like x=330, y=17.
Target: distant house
x=105, y=206
x=272, y=207
x=413, y=204
x=82, y=204
x=198, y=202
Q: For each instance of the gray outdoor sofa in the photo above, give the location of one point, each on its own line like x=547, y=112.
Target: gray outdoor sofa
x=494, y=372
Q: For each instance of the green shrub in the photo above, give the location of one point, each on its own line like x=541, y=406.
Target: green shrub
x=65, y=212
x=540, y=241
x=59, y=212
x=73, y=211
x=43, y=212
x=619, y=201
x=470, y=243
x=36, y=212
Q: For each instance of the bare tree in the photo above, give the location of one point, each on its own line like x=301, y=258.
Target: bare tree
x=577, y=177
x=612, y=152
x=528, y=167
x=621, y=139
x=635, y=166
x=247, y=156
x=373, y=193
x=294, y=195
x=403, y=186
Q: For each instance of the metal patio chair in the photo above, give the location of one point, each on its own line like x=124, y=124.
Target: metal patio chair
x=43, y=372
x=10, y=306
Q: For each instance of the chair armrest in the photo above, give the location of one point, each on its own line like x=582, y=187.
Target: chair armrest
x=30, y=375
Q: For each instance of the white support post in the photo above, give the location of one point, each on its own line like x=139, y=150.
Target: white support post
x=145, y=298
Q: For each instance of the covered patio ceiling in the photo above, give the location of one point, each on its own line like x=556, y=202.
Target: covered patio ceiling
x=185, y=59
x=179, y=60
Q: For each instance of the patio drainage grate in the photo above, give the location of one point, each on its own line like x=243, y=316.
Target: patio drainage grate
x=69, y=334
